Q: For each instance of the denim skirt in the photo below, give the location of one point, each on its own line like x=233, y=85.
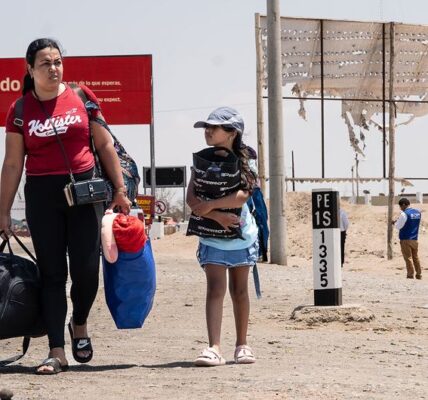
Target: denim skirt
x=228, y=258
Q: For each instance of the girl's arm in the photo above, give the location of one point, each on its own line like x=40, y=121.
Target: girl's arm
x=110, y=161
x=225, y=219
x=233, y=200
x=11, y=173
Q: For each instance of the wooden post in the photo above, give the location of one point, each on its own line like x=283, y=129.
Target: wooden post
x=391, y=183
x=260, y=118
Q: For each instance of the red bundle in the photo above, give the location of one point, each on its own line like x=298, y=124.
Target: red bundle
x=129, y=233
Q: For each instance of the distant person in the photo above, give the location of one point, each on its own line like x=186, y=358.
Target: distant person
x=54, y=113
x=221, y=257
x=344, y=224
x=408, y=225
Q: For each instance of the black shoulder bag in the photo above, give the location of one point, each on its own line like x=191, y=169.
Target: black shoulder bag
x=78, y=193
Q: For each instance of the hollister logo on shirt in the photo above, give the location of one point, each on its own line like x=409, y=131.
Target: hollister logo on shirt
x=44, y=129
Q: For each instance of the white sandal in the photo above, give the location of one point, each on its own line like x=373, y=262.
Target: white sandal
x=209, y=357
x=244, y=355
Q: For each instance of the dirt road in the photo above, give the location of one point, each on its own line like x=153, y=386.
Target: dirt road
x=386, y=358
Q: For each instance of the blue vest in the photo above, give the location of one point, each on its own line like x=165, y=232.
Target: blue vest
x=410, y=229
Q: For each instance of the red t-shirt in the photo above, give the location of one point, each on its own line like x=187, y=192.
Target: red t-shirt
x=68, y=114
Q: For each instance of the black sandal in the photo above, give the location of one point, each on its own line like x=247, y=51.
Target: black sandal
x=80, y=344
x=54, y=363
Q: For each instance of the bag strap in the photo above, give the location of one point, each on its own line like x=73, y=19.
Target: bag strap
x=64, y=154
x=79, y=91
x=23, y=247
x=89, y=106
x=10, y=360
x=257, y=281
x=6, y=241
x=18, y=120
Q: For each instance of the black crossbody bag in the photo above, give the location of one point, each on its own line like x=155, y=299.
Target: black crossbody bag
x=78, y=193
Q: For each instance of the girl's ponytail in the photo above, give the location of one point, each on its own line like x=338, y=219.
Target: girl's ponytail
x=248, y=179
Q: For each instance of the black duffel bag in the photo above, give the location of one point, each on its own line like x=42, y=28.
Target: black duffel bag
x=20, y=297
x=217, y=173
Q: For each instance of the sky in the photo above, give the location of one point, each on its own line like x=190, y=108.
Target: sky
x=204, y=57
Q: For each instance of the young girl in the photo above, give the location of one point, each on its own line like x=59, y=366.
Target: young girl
x=217, y=256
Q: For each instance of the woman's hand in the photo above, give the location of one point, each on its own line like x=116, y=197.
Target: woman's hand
x=5, y=224
x=121, y=201
x=202, y=208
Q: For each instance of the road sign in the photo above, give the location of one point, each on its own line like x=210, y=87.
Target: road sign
x=160, y=207
x=165, y=177
x=147, y=204
x=326, y=248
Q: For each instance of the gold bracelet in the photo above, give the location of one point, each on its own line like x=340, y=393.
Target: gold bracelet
x=121, y=189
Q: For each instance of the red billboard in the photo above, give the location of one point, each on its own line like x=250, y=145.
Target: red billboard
x=123, y=84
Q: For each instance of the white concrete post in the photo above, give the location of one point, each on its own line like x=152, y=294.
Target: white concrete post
x=326, y=248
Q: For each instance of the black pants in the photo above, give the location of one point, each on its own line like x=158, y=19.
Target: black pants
x=57, y=229
x=342, y=246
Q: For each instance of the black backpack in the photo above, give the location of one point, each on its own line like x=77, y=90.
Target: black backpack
x=216, y=173
x=20, y=302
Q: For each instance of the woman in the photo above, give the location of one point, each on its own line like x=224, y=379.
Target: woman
x=56, y=228
x=220, y=257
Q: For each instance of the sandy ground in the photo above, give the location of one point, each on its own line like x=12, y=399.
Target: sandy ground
x=386, y=358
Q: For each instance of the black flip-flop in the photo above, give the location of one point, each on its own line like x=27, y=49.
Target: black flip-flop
x=80, y=344
x=54, y=363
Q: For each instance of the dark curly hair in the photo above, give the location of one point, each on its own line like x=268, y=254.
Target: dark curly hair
x=248, y=179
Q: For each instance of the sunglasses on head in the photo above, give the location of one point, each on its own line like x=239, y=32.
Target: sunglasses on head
x=226, y=128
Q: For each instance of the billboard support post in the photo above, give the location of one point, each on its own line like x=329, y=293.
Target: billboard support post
x=152, y=146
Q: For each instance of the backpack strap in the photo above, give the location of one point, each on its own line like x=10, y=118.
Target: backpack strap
x=257, y=281
x=25, y=345
x=18, y=120
x=79, y=91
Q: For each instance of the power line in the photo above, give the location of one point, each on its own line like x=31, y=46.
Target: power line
x=202, y=108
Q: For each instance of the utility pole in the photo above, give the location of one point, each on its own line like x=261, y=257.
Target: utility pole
x=260, y=117
x=292, y=170
x=357, y=176
x=278, y=221
x=391, y=183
